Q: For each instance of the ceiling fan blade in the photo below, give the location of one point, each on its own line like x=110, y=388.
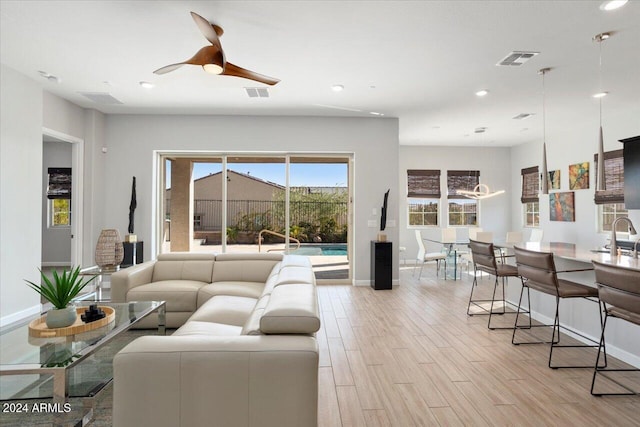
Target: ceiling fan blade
x=233, y=70
x=169, y=68
x=208, y=30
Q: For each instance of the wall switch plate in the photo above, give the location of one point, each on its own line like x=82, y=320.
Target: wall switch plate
x=372, y=223
x=374, y=211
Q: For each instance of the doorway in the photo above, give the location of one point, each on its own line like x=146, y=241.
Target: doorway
x=290, y=203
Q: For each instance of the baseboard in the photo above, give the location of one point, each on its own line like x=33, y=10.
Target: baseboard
x=20, y=315
x=395, y=282
x=55, y=264
x=362, y=283
x=612, y=350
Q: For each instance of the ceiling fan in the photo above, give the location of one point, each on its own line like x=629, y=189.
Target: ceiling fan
x=212, y=58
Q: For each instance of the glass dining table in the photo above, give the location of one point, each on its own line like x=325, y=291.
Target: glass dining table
x=453, y=252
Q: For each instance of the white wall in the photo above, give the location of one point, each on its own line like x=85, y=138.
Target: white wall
x=20, y=193
x=131, y=141
x=56, y=241
x=569, y=144
x=493, y=164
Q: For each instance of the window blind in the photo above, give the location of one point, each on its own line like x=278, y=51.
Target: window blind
x=423, y=183
x=613, y=178
x=461, y=180
x=530, y=184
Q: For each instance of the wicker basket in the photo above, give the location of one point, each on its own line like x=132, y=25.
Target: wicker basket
x=109, y=250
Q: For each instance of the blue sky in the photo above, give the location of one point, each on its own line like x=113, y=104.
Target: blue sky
x=302, y=174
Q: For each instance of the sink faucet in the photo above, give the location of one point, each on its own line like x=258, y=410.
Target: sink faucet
x=614, y=244
x=635, y=248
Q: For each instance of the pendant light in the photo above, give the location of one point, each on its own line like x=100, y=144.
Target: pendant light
x=545, y=175
x=600, y=180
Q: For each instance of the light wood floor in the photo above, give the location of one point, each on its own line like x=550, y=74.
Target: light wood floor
x=411, y=356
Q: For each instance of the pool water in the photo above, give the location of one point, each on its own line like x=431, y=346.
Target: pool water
x=326, y=249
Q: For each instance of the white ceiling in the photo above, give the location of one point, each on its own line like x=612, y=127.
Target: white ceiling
x=420, y=61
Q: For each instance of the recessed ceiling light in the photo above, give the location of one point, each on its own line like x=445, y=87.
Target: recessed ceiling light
x=337, y=88
x=375, y=113
x=612, y=4
x=147, y=85
x=600, y=94
x=482, y=92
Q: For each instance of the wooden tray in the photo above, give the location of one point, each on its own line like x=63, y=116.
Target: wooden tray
x=38, y=327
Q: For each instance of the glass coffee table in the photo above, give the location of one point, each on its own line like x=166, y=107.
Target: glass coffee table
x=75, y=366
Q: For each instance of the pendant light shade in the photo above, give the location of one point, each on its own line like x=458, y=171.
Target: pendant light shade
x=544, y=188
x=601, y=185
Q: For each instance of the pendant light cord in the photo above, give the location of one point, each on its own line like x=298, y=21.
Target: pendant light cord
x=544, y=118
x=600, y=78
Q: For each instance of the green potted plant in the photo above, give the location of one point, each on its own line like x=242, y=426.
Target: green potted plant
x=60, y=292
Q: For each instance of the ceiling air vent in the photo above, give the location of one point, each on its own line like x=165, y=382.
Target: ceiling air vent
x=523, y=116
x=517, y=58
x=101, y=97
x=257, y=92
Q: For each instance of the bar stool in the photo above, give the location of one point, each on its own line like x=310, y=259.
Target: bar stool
x=484, y=259
x=619, y=290
x=538, y=272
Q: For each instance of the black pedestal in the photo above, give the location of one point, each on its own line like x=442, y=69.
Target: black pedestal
x=381, y=271
x=133, y=254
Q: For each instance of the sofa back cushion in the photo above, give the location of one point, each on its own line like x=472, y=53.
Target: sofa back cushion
x=184, y=266
x=291, y=309
x=244, y=267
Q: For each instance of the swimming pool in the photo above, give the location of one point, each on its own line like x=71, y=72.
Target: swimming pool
x=322, y=249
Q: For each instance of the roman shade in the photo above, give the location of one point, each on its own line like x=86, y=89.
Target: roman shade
x=423, y=183
x=613, y=178
x=530, y=184
x=461, y=180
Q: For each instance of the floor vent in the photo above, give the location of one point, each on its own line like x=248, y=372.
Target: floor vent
x=516, y=58
x=101, y=98
x=257, y=92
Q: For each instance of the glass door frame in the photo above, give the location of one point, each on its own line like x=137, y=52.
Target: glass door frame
x=159, y=176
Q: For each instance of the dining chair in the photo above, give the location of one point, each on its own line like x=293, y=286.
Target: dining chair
x=473, y=231
x=536, y=235
x=449, y=235
x=515, y=237
x=484, y=260
x=619, y=290
x=484, y=236
x=424, y=256
x=537, y=271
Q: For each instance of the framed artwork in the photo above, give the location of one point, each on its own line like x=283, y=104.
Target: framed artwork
x=579, y=176
x=562, y=206
x=554, y=179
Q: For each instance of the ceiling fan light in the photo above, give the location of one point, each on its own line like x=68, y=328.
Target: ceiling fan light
x=212, y=68
x=613, y=4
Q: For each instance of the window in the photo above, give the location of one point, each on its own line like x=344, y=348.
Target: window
x=609, y=212
x=529, y=198
x=611, y=200
x=197, y=222
x=531, y=214
x=60, y=210
x=423, y=212
x=462, y=210
x=423, y=193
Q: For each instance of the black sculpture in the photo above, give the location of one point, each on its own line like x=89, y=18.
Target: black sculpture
x=383, y=212
x=92, y=314
x=133, y=205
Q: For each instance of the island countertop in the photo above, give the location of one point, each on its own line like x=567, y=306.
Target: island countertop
x=570, y=251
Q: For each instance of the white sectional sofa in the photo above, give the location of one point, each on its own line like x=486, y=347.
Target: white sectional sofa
x=244, y=353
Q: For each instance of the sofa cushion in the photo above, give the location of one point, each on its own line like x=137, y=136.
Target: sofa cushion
x=295, y=261
x=185, y=266
x=180, y=295
x=252, y=325
x=238, y=289
x=225, y=309
x=294, y=274
x=193, y=327
x=244, y=267
x=292, y=309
